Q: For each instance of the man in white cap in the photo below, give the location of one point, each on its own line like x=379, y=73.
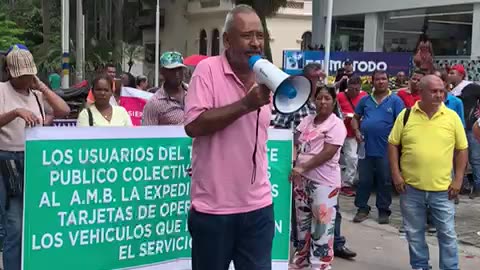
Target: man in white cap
x=22, y=104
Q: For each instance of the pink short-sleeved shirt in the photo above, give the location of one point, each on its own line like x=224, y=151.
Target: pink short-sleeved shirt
x=222, y=165
x=312, y=139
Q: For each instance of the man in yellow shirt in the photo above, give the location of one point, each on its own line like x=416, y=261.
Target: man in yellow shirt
x=426, y=145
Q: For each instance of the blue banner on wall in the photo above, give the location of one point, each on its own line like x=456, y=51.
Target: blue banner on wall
x=364, y=63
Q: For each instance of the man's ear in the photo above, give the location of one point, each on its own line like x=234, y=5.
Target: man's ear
x=226, y=41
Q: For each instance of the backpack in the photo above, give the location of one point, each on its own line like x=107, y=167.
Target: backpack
x=406, y=116
x=405, y=120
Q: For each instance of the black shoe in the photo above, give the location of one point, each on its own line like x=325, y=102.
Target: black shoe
x=431, y=229
x=360, y=217
x=383, y=219
x=475, y=193
x=345, y=253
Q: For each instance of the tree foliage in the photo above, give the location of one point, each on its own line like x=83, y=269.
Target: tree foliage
x=10, y=33
x=23, y=22
x=265, y=9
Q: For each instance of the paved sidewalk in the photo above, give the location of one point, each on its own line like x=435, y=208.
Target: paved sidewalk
x=380, y=247
x=467, y=217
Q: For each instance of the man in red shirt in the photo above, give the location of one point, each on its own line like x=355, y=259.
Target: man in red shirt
x=410, y=95
x=347, y=101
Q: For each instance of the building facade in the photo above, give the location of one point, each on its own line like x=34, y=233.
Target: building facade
x=388, y=25
x=195, y=27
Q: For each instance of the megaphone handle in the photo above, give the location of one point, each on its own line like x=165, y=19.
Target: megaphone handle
x=254, y=156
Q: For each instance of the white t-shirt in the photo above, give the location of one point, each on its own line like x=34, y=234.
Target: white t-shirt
x=12, y=135
x=120, y=118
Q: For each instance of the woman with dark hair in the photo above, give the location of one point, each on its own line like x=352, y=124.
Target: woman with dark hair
x=317, y=181
x=101, y=112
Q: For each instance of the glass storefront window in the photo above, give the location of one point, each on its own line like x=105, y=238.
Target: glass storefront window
x=348, y=33
x=448, y=28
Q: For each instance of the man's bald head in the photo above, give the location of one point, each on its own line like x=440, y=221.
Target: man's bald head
x=428, y=80
x=432, y=91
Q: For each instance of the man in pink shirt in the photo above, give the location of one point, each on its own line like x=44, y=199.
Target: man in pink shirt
x=227, y=114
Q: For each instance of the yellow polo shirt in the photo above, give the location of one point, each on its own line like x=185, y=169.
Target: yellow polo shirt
x=428, y=146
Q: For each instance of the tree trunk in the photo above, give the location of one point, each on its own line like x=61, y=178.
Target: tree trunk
x=267, y=49
x=118, y=32
x=46, y=22
x=103, y=14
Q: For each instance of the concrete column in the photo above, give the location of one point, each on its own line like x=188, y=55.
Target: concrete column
x=373, y=37
x=475, y=55
x=318, y=22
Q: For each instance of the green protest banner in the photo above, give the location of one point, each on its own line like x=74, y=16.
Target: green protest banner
x=118, y=198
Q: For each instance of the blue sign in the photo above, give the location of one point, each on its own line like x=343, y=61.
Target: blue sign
x=364, y=63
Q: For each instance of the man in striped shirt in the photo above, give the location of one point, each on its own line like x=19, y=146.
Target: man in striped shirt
x=166, y=106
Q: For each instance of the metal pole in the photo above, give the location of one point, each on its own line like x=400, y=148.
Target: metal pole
x=328, y=37
x=83, y=47
x=157, y=44
x=65, y=43
x=80, y=30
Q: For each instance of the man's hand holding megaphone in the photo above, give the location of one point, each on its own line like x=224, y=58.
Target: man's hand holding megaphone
x=290, y=93
x=258, y=96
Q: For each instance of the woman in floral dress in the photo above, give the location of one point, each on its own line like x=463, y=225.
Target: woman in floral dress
x=317, y=181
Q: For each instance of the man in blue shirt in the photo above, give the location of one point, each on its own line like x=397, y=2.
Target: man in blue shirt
x=455, y=104
x=376, y=114
x=452, y=102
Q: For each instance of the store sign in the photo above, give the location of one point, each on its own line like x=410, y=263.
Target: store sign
x=364, y=63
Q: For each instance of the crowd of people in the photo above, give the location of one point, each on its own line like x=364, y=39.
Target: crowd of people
x=416, y=138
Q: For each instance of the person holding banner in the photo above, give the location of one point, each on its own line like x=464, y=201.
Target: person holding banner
x=228, y=115
x=22, y=105
x=101, y=113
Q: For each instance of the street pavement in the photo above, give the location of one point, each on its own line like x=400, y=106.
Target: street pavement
x=381, y=247
x=467, y=217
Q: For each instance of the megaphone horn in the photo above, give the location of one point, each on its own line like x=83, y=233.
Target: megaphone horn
x=290, y=93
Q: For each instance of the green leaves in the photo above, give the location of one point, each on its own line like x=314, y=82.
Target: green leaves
x=10, y=33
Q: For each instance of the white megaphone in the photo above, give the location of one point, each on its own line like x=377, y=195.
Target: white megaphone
x=290, y=93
